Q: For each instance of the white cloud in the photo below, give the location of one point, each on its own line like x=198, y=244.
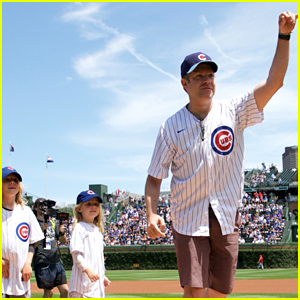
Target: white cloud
x=84, y=13
x=91, y=66
x=203, y=20
x=145, y=107
x=209, y=36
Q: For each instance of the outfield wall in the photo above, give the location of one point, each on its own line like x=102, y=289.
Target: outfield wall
x=155, y=248
x=164, y=257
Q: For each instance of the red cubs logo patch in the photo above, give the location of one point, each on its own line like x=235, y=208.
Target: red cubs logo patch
x=23, y=232
x=201, y=56
x=222, y=140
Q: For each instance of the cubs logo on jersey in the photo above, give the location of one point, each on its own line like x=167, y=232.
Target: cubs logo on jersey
x=22, y=231
x=222, y=140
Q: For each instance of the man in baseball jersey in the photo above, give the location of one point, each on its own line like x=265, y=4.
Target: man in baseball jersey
x=203, y=144
x=20, y=234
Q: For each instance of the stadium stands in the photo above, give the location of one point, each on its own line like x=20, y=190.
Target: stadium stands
x=287, y=176
x=264, y=214
x=262, y=221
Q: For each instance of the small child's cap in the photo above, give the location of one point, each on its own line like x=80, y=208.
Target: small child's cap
x=9, y=170
x=86, y=196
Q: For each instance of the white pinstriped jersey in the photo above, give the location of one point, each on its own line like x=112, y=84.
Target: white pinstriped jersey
x=19, y=229
x=205, y=171
x=87, y=239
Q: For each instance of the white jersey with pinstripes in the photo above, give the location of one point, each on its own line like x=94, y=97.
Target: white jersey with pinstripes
x=19, y=229
x=87, y=239
x=205, y=170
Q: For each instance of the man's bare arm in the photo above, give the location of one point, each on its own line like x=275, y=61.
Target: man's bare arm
x=264, y=91
x=155, y=223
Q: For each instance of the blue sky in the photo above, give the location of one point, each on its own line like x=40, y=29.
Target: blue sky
x=89, y=84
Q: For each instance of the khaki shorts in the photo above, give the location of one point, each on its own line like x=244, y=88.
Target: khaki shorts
x=208, y=261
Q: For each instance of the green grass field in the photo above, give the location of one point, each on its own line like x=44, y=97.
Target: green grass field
x=137, y=275
x=133, y=275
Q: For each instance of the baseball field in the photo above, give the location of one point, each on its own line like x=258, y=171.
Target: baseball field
x=249, y=283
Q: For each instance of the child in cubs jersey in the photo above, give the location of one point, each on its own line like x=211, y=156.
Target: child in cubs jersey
x=86, y=246
x=20, y=233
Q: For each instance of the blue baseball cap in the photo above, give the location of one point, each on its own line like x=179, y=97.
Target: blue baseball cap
x=193, y=60
x=86, y=196
x=9, y=170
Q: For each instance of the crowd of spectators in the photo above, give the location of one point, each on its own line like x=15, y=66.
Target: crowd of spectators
x=257, y=178
x=264, y=177
x=262, y=221
x=130, y=228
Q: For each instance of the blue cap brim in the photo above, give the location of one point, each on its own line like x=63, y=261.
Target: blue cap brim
x=6, y=172
x=86, y=198
x=211, y=63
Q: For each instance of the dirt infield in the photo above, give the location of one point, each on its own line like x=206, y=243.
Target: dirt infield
x=240, y=286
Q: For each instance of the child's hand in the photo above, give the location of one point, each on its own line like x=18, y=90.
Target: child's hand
x=93, y=276
x=26, y=271
x=5, y=268
x=107, y=282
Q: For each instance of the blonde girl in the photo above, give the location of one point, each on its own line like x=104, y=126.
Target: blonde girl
x=20, y=234
x=86, y=246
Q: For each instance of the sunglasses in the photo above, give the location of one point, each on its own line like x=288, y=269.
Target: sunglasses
x=7, y=180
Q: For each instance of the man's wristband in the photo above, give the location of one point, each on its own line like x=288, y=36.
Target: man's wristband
x=284, y=36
